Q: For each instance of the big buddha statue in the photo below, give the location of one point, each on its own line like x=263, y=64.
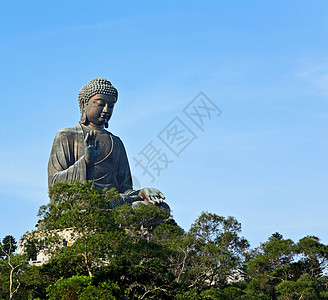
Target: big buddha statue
x=88, y=151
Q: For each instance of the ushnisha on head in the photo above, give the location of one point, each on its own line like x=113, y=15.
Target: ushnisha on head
x=93, y=87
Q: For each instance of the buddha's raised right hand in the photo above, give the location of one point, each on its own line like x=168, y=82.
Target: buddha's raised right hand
x=91, y=151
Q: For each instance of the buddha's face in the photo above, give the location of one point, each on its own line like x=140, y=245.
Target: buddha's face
x=99, y=109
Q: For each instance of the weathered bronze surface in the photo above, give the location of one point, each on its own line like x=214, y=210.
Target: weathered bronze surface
x=88, y=151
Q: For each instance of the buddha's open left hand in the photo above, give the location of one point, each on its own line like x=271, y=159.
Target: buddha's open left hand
x=91, y=151
x=151, y=195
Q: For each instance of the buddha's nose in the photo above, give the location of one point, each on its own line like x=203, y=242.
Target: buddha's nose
x=106, y=108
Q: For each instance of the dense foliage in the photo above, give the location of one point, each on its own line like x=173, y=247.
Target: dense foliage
x=110, y=252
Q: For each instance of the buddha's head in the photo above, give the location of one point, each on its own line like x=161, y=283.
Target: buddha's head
x=97, y=99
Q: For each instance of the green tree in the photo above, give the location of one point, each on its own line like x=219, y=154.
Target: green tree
x=303, y=288
x=84, y=210
x=270, y=265
x=209, y=253
x=139, y=222
x=7, y=247
x=312, y=256
x=282, y=269
x=10, y=266
x=68, y=288
x=105, y=244
x=142, y=253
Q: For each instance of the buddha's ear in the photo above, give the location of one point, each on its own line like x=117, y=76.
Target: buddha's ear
x=83, y=114
x=106, y=124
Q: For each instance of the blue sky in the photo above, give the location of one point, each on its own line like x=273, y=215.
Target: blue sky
x=264, y=64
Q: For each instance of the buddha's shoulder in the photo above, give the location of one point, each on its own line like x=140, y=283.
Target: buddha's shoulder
x=69, y=131
x=116, y=139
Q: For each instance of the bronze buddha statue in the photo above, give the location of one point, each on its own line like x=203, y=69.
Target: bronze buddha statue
x=88, y=151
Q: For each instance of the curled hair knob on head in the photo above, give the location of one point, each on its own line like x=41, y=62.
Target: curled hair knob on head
x=93, y=87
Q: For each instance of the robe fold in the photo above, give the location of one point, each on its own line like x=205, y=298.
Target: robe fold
x=67, y=161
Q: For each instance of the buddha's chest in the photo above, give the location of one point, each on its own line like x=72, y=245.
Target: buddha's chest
x=104, y=144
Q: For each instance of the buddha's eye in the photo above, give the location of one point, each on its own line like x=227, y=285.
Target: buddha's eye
x=100, y=103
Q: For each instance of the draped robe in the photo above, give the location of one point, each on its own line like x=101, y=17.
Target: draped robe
x=67, y=162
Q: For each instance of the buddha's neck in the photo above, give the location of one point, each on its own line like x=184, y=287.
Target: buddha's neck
x=91, y=126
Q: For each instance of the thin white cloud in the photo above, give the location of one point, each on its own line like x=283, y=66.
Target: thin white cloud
x=315, y=74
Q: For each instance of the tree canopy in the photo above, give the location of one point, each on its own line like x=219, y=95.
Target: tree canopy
x=95, y=251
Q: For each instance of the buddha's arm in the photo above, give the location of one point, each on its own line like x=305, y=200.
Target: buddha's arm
x=129, y=196
x=62, y=165
x=150, y=195
x=123, y=176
